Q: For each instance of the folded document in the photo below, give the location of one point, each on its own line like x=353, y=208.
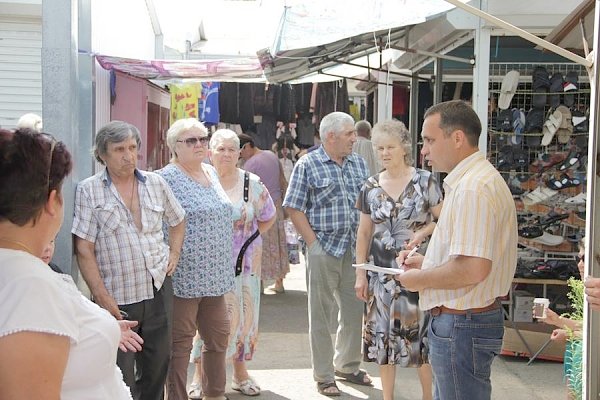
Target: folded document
x=375, y=268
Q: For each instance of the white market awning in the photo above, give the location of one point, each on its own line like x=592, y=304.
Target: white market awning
x=315, y=35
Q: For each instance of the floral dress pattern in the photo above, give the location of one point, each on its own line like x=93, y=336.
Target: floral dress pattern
x=394, y=326
x=243, y=303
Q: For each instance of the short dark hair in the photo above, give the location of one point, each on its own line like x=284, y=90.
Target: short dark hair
x=245, y=138
x=28, y=174
x=114, y=132
x=457, y=114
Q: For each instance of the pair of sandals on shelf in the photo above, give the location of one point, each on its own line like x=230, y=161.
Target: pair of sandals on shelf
x=546, y=161
x=556, y=269
x=535, y=229
x=551, y=269
x=539, y=195
x=564, y=182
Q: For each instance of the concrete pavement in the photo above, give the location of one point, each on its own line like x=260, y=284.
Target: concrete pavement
x=282, y=362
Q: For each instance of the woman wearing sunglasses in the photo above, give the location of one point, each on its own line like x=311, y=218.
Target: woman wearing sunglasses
x=203, y=274
x=54, y=342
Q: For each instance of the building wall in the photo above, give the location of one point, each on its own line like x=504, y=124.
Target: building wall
x=20, y=67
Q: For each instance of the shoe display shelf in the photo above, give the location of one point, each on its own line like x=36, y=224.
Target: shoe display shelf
x=537, y=139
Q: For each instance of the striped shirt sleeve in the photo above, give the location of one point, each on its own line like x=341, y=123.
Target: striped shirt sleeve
x=473, y=225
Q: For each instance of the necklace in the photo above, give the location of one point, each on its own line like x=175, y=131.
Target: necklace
x=23, y=246
x=132, y=195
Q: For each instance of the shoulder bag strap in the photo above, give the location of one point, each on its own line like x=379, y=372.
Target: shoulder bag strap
x=240, y=257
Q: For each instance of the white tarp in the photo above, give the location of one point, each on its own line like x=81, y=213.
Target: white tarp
x=315, y=22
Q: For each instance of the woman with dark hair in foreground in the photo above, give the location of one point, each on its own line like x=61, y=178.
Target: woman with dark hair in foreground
x=54, y=342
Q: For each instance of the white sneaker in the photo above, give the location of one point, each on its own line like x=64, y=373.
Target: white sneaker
x=577, y=200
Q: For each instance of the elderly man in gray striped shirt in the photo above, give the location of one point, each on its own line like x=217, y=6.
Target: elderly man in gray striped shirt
x=122, y=253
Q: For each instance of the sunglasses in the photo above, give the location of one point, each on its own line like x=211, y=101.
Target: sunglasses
x=580, y=259
x=193, y=141
x=53, y=143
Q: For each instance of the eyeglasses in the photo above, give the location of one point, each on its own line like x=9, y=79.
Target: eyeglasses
x=191, y=142
x=53, y=143
x=580, y=259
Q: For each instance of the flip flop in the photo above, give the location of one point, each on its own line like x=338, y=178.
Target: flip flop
x=540, y=85
x=570, y=85
x=556, y=87
x=508, y=89
x=505, y=121
x=533, y=124
x=518, y=117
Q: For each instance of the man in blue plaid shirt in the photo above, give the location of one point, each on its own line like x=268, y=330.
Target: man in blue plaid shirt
x=321, y=200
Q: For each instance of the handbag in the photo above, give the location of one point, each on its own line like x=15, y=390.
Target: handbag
x=240, y=257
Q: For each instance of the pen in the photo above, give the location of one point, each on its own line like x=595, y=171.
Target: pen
x=412, y=252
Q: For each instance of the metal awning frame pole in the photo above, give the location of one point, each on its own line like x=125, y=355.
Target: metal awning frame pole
x=522, y=33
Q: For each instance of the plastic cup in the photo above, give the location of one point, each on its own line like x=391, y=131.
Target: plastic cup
x=540, y=305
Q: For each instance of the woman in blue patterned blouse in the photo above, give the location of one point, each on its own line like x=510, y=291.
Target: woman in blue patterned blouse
x=204, y=273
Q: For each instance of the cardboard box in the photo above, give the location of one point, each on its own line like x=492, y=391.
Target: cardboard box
x=523, y=299
x=536, y=335
x=523, y=315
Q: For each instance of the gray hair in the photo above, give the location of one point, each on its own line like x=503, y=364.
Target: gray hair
x=334, y=123
x=363, y=128
x=114, y=132
x=30, y=121
x=180, y=126
x=396, y=130
x=222, y=135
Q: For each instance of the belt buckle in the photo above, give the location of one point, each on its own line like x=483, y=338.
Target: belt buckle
x=436, y=311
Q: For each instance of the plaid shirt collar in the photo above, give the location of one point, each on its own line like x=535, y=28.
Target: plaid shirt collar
x=324, y=157
x=107, y=180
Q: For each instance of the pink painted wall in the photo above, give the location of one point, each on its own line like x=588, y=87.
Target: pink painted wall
x=131, y=105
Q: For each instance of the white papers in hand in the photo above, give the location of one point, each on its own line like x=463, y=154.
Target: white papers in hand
x=375, y=268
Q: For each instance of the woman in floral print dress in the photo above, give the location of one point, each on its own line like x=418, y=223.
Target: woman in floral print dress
x=255, y=213
x=398, y=207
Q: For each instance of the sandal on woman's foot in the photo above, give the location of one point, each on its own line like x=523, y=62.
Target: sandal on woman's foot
x=328, y=389
x=195, y=391
x=247, y=387
x=359, y=377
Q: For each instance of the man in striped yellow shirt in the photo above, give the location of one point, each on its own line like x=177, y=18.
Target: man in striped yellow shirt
x=470, y=260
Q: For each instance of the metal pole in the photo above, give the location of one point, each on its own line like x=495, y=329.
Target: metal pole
x=60, y=96
x=481, y=77
x=413, y=114
x=520, y=32
x=438, y=77
x=591, y=332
